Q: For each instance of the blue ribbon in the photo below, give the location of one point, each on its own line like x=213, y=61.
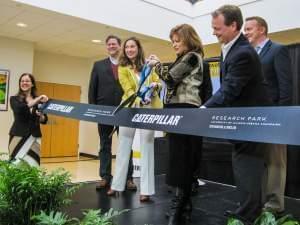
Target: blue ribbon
x=145, y=92
x=144, y=74
x=261, y=124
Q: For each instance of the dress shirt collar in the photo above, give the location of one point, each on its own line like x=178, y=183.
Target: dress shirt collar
x=261, y=45
x=226, y=47
x=113, y=60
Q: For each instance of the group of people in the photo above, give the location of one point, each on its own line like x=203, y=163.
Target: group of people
x=254, y=72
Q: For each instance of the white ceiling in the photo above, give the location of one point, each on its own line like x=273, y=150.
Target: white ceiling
x=201, y=8
x=62, y=34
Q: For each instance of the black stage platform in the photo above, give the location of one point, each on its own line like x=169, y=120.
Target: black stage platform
x=209, y=204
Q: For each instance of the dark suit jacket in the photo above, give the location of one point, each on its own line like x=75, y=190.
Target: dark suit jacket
x=277, y=72
x=104, y=89
x=25, y=122
x=206, y=86
x=242, y=82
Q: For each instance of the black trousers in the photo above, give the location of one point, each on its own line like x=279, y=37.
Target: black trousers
x=184, y=158
x=105, y=154
x=248, y=167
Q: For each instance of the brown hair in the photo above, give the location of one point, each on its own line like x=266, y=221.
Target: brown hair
x=33, y=91
x=140, y=58
x=260, y=21
x=113, y=37
x=231, y=14
x=189, y=36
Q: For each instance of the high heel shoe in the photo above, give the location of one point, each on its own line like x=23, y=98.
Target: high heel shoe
x=112, y=192
x=144, y=198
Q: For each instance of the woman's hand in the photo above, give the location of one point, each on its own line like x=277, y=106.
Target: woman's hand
x=43, y=98
x=152, y=60
x=37, y=100
x=154, y=85
x=146, y=101
x=41, y=116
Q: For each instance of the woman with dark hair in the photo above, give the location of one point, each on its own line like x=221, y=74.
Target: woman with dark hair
x=184, y=79
x=25, y=133
x=131, y=62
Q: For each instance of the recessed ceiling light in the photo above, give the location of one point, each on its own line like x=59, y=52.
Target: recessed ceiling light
x=22, y=24
x=96, y=41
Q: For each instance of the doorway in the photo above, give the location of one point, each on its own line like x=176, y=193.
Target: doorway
x=60, y=134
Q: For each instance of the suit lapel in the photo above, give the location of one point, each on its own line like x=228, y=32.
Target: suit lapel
x=265, y=49
x=223, y=63
x=241, y=38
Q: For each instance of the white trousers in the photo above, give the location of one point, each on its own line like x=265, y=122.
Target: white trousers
x=126, y=136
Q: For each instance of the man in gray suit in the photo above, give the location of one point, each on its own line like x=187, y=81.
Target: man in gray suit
x=277, y=73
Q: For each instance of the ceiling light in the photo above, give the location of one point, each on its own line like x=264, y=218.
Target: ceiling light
x=22, y=24
x=96, y=41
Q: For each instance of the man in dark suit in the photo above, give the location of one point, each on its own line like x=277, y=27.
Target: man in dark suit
x=105, y=89
x=277, y=72
x=242, y=84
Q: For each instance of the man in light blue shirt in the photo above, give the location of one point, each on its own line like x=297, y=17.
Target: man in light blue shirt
x=277, y=74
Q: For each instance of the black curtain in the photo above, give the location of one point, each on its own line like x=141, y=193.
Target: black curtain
x=293, y=153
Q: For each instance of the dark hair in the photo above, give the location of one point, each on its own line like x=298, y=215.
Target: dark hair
x=231, y=14
x=140, y=58
x=189, y=36
x=260, y=21
x=33, y=91
x=113, y=37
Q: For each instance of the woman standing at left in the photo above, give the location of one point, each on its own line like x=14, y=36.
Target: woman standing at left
x=25, y=133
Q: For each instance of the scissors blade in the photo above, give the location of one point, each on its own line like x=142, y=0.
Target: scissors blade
x=129, y=100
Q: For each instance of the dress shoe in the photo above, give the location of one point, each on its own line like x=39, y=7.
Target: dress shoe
x=144, y=198
x=130, y=185
x=112, y=192
x=102, y=184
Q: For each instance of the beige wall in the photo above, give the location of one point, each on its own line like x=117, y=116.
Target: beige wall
x=16, y=56
x=64, y=69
